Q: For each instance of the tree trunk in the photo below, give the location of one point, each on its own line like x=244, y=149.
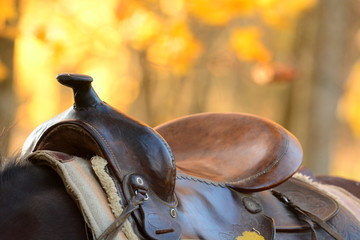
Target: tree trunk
x=324, y=38
x=7, y=95
x=8, y=102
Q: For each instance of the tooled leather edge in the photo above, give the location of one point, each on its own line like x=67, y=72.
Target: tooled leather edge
x=326, y=212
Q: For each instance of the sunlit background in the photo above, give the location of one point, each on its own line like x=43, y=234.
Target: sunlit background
x=294, y=61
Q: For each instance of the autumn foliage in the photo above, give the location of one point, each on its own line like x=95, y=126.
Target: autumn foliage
x=122, y=42
x=143, y=54
x=162, y=28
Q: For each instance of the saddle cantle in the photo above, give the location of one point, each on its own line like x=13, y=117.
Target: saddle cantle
x=240, y=150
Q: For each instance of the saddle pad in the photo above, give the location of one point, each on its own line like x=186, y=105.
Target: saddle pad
x=243, y=151
x=82, y=184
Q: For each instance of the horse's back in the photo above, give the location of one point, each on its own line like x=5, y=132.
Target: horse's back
x=35, y=206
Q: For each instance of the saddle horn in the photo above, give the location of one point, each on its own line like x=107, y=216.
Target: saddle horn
x=92, y=127
x=84, y=94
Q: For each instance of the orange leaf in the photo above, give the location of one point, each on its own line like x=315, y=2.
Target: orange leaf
x=248, y=46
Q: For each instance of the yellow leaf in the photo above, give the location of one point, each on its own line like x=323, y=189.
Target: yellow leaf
x=280, y=13
x=7, y=11
x=350, y=103
x=250, y=236
x=176, y=49
x=219, y=12
x=248, y=46
x=142, y=27
x=171, y=7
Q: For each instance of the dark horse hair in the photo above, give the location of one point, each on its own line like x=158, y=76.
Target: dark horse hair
x=35, y=205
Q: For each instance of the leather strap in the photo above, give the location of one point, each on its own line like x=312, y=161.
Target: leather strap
x=154, y=216
x=133, y=205
x=307, y=216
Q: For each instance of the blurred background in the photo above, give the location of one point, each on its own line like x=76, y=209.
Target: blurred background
x=295, y=62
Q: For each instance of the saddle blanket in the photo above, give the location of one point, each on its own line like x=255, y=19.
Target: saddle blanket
x=92, y=188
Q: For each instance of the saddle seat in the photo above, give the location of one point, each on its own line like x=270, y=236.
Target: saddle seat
x=242, y=151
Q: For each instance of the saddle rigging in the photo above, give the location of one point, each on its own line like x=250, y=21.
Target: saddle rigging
x=219, y=186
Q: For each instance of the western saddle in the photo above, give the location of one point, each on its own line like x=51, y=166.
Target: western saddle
x=226, y=159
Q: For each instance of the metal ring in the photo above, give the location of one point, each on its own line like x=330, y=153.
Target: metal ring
x=173, y=212
x=146, y=195
x=139, y=181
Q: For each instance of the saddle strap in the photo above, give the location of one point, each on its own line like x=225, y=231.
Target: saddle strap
x=133, y=205
x=306, y=216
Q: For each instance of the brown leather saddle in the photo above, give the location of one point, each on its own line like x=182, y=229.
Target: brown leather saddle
x=219, y=186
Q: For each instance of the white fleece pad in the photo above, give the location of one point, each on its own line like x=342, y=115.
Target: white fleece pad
x=83, y=186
